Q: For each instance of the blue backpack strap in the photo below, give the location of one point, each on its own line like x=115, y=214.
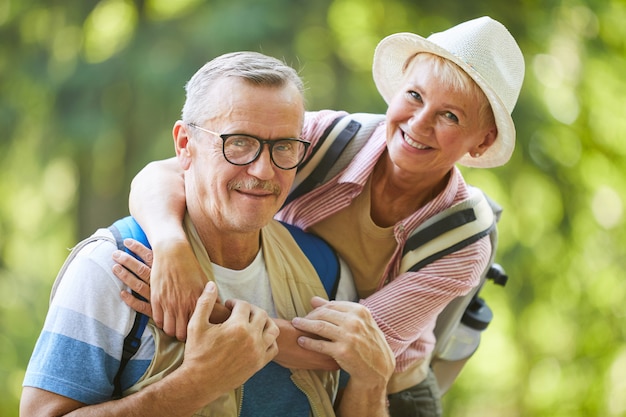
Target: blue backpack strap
x=128, y=227
x=124, y=228
x=321, y=255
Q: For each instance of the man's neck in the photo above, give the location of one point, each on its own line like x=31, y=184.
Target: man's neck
x=230, y=249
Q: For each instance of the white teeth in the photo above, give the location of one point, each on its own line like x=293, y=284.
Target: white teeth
x=414, y=144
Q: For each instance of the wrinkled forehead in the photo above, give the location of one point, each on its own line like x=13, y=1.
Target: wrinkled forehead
x=264, y=110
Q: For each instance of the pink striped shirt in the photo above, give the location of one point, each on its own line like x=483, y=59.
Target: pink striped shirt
x=405, y=305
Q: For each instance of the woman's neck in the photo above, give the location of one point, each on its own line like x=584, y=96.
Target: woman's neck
x=395, y=197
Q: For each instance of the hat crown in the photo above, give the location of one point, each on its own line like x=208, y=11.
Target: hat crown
x=488, y=48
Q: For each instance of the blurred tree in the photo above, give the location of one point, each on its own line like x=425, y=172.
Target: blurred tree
x=89, y=91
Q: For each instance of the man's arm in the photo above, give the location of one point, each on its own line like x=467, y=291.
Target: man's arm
x=206, y=373
x=157, y=201
x=350, y=335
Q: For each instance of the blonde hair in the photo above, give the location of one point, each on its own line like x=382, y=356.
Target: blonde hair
x=452, y=75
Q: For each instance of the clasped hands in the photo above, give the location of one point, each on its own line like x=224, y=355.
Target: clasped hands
x=335, y=333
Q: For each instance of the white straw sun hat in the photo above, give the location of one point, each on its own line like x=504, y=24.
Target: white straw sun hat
x=486, y=51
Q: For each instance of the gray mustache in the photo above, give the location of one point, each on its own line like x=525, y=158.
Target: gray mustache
x=254, y=184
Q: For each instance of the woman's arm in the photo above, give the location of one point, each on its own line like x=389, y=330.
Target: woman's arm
x=412, y=301
x=157, y=201
x=136, y=275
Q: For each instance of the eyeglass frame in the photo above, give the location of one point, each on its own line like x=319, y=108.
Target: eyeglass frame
x=270, y=143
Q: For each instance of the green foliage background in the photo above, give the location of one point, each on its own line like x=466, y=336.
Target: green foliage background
x=89, y=91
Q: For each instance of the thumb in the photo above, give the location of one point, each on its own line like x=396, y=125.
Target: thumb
x=204, y=306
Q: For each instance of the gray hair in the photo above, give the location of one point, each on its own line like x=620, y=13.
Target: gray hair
x=253, y=67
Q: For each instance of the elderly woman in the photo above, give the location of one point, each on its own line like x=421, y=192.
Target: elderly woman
x=450, y=99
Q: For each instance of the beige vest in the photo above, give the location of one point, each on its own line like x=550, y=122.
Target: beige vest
x=293, y=281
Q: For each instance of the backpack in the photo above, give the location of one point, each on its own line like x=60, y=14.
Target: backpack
x=444, y=233
x=320, y=254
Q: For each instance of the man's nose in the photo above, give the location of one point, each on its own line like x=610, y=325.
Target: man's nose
x=263, y=167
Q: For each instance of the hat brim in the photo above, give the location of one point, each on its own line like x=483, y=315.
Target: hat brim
x=389, y=59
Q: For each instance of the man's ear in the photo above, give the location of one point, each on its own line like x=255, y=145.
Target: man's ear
x=182, y=144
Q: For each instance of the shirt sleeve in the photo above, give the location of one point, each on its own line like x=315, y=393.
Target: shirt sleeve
x=409, y=305
x=316, y=123
x=77, y=353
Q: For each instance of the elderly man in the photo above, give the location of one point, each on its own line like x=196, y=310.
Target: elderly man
x=237, y=146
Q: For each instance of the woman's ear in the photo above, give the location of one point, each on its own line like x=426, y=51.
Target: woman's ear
x=182, y=144
x=488, y=139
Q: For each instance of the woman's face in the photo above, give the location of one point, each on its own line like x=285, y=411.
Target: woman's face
x=431, y=125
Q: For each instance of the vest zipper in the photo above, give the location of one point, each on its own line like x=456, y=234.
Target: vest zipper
x=308, y=397
x=240, y=402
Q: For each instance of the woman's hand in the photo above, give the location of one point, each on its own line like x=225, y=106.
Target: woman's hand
x=179, y=300
x=177, y=282
x=291, y=355
x=347, y=332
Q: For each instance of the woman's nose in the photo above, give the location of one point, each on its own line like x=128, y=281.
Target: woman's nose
x=421, y=122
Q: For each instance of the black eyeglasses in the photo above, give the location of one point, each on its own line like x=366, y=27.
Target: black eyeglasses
x=240, y=149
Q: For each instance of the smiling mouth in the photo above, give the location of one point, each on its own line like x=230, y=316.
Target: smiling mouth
x=413, y=143
x=254, y=193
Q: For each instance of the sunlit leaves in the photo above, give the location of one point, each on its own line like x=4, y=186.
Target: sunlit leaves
x=607, y=207
x=168, y=9
x=89, y=91
x=616, y=393
x=108, y=29
x=352, y=22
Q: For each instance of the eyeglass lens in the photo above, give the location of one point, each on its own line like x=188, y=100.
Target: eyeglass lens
x=242, y=149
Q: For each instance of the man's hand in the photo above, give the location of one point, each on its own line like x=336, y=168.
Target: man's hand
x=231, y=352
x=218, y=358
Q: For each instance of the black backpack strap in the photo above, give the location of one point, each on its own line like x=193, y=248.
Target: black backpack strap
x=132, y=341
x=323, y=156
x=447, y=232
x=334, y=151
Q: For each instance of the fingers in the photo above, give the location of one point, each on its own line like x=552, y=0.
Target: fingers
x=125, y=271
x=159, y=316
x=351, y=336
x=337, y=312
x=181, y=325
x=258, y=321
x=140, y=250
x=174, y=322
x=169, y=324
x=136, y=304
x=270, y=329
x=204, y=306
x=324, y=334
x=220, y=313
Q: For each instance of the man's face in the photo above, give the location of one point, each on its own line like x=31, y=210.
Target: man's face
x=239, y=198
